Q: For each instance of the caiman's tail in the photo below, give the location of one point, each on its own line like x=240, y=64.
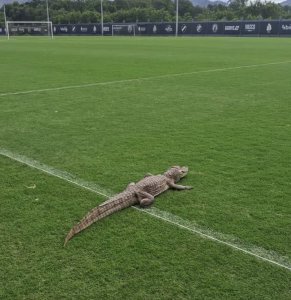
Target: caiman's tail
x=99, y=212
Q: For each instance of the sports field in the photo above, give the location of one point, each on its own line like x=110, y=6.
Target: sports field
x=80, y=118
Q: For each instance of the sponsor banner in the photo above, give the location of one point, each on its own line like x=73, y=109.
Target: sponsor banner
x=269, y=27
x=78, y=29
x=200, y=28
x=154, y=29
x=107, y=29
x=38, y=30
x=285, y=27
x=161, y=29
x=168, y=28
x=82, y=29
x=24, y=29
x=124, y=29
x=185, y=28
x=86, y=29
x=2, y=31
x=142, y=29
x=215, y=28
x=233, y=28
x=62, y=29
x=250, y=27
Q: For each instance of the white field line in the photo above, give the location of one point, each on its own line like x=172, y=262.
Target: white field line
x=140, y=79
x=92, y=187
x=228, y=240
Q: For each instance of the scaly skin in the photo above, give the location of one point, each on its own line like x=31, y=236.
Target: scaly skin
x=142, y=192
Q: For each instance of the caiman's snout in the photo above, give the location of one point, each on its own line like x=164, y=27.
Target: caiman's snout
x=184, y=171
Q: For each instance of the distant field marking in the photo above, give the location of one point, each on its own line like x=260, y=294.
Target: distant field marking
x=269, y=256
x=140, y=79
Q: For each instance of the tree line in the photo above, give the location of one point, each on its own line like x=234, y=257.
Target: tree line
x=88, y=11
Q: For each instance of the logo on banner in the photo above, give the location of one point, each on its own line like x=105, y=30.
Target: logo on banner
x=199, y=28
x=184, y=28
x=94, y=29
x=74, y=28
x=286, y=27
x=250, y=27
x=84, y=29
x=64, y=29
x=269, y=28
x=129, y=28
x=0, y=30
x=155, y=29
x=214, y=28
x=231, y=28
x=106, y=29
x=169, y=28
x=141, y=28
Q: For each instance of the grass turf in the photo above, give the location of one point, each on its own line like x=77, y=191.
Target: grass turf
x=230, y=127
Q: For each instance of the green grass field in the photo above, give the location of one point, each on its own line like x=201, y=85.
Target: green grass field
x=221, y=106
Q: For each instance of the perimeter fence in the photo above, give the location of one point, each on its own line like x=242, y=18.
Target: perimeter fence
x=211, y=28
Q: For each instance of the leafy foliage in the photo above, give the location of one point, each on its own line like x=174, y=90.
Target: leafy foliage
x=88, y=11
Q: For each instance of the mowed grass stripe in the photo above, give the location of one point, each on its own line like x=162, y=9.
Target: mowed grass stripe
x=231, y=128
x=223, y=126
x=141, y=79
x=126, y=256
x=258, y=252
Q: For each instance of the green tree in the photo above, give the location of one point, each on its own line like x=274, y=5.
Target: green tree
x=86, y=11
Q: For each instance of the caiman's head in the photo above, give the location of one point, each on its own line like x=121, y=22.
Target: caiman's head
x=176, y=173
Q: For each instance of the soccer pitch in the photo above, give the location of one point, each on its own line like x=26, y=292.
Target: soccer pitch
x=82, y=117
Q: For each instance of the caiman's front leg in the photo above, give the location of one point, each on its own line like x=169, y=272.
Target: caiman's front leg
x=179, y=187
x=145, y=199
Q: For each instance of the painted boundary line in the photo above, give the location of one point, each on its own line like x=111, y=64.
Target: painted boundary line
x=140, y=79
x=228, y=240
x=92, y=187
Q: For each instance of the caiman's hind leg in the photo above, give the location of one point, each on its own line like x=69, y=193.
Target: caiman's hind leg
x=130, y=185
x=148, y=175
x=145, y=199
